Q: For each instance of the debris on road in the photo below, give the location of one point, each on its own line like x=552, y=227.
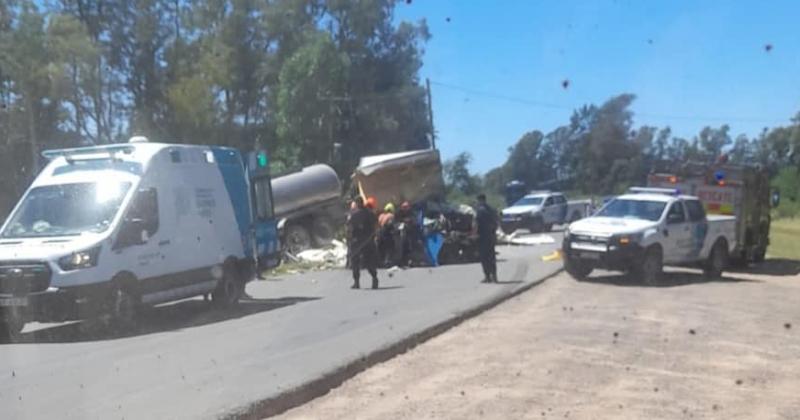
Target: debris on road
x=555, y=256
x=516, y=239
x=333, y=256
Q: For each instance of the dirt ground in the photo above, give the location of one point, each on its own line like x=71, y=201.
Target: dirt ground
x=604, y=348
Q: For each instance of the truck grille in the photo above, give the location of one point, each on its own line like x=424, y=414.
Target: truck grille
x=21, y=277
x=589, y=239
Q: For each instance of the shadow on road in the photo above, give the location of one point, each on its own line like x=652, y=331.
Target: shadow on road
x=771, y=267
x=669, y=279
x=172, y=317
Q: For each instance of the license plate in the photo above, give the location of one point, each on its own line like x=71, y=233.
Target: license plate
x=13, y=301
x=590, y=256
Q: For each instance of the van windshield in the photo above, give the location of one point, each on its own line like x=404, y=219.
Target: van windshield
x=633, y=209
x=67, y=209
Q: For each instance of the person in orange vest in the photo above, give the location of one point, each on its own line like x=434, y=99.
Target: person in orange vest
x=386, y=246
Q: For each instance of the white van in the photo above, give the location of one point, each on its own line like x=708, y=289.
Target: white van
x=109, y=228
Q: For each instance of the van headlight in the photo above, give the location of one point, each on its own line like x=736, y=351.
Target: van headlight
x=79, y=260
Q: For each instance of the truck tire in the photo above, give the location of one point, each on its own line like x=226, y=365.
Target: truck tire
x=651, y=269
x=11, y=324
x=297, y=239
x=717, y=261
x=577, y=269
x=229, y=289
x=536, y=225
x=322, y=231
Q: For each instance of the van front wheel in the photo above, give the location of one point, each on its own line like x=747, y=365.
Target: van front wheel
x=11, y=325
x=229, y=289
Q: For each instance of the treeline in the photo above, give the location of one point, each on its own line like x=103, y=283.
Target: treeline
x=600, y=152
x=293, y=76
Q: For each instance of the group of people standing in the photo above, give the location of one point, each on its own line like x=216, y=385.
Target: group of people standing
x=390, y=238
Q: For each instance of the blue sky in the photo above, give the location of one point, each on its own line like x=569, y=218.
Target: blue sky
x=690, y=63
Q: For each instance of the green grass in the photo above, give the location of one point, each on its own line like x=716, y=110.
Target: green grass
x=784, y=238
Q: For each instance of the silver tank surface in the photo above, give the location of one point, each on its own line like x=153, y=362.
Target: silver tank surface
x=313, y=185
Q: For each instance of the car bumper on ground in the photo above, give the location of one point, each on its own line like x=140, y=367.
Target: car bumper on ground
x=604, y=255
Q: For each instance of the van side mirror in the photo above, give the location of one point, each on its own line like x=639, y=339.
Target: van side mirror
x=132, y=232
x=775, y=200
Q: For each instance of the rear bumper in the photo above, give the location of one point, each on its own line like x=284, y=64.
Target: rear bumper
x=614, y=257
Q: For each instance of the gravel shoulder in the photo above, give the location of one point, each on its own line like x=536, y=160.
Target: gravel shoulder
x=603, y=348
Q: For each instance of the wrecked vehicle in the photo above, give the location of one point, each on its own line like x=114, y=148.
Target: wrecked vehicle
x=445, y=231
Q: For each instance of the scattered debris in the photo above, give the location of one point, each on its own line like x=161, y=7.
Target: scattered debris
x=616, y=334
x=788, y=326
x=655, y=389
x=692, y=332
x=555, y=256
x=333, y=256
x=739, y=382
x=715, y=407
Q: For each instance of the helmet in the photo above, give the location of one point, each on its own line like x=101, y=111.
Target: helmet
x=405, y=206
x=389, y=208
x=371, y=203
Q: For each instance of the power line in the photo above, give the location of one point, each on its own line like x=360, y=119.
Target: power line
x=541, y=104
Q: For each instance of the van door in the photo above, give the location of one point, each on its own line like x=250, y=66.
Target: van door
x=266, y=241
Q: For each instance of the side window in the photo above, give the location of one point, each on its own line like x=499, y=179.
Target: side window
x=548, y=202
x=263, y=197
x=560, y=199
x=145, y=208
x=676, y=214
x=695, y=210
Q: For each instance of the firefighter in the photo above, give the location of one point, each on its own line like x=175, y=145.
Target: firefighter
x=486, y=224
x=362, y=249
x=408, y=233
x=386, y=247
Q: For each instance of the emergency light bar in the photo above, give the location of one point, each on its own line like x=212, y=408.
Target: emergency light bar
x=89, y=153
x=643, y=190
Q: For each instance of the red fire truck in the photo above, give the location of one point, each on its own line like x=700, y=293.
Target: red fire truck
x=738, y=190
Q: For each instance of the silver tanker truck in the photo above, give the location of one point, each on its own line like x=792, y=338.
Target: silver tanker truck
x=309, y=207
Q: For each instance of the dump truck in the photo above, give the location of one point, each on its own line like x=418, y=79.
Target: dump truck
x=308, y=207
x=726, y=189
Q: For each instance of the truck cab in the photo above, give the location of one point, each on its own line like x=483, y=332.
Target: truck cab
x=644, y=230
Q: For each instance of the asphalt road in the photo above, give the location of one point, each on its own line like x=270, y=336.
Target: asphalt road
x=605, y=348
x=186, y=360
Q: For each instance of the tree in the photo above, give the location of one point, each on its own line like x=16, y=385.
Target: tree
x=457, y=176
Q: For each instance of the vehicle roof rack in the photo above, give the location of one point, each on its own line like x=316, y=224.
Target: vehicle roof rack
x=647, y=190
x=89, y=153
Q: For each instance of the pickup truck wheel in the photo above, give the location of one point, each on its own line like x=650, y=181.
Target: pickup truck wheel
x=651, y=268
x=537, y=225
x=717, y=261
x=11, y=324
x=577, y=269
x=229, y=289
x=297, y=239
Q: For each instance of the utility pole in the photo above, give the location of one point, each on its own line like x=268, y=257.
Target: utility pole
x=430, y=113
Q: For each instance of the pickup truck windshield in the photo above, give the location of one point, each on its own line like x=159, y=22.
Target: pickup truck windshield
x=633, y=209
x=67, y=209
x=529, y=201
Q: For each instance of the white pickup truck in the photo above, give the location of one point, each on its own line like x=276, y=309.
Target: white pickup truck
x=539, y=211
x=644, y=230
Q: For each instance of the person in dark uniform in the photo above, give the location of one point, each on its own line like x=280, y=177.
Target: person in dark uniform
x=362, y=249
x=486, y=223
